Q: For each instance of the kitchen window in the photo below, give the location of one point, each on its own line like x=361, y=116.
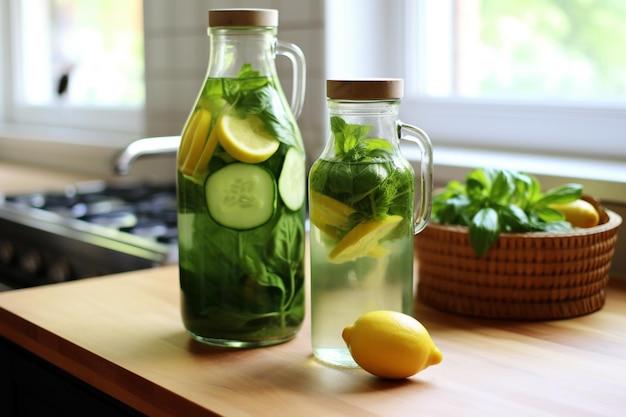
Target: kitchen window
x=76, y=63
x=546, y=76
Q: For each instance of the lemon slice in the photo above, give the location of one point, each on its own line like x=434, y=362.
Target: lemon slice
x=246, y=139
x=363, y=239
x=329, y=232
x=326, y=211
x=378, y=251
x=205, y=157
x=193, y=140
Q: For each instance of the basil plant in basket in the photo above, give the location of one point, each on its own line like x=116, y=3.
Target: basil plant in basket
x=492, y=201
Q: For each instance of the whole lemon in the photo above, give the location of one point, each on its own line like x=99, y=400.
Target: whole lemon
x=390, y=344
x=579, y=213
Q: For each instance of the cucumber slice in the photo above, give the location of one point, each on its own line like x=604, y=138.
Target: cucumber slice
x=241, y=196
x=291, y=181
x=185, y=230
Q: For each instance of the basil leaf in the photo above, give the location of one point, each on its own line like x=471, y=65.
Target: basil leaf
x=212, y=87
x=353, y=145
x=514, y=219
x=352, y=135
x=548, y=215
x=523, y=185
x=338, y=179
x=477, y=184
x=451, y=212
x=337, y=124
x=502, y=188
x=490, y=174
x=255, y=267
x=484, y=230
x=561, y=226
x=500, y=200
x=455, y=187
x=373, y=144
x=534, y=192
x=349, y=143
x=247, y=71
x=252, y=84
x=280, y=127
x=286, y=249
x=560, y=195
x=357, y=131
x=522, y=178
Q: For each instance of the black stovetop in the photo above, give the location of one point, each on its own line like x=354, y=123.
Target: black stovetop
x=85, y=230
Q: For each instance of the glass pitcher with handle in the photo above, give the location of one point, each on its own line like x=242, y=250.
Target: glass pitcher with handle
x=366, y=202
x=241, y=189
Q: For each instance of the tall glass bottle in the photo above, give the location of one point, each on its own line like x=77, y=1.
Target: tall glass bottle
x=365, y=208
x=241, y=189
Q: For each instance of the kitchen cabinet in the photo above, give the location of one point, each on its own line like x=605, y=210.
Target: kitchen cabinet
x=32, y=387
x=122, y=336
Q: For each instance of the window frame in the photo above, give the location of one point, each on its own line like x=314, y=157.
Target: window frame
x=129, y=120
x=567, y=128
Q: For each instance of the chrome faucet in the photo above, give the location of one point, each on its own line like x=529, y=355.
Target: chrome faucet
x=164, y=145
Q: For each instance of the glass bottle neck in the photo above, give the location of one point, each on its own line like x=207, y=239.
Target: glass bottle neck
x=380, y=116
x=231, y=48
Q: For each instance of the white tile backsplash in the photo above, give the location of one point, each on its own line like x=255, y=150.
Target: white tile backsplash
x=315, y=141
x=172, y=94
x=167, y=123
x=305, y=12
x=177, y=56
x=314, y=104
x=157, y=15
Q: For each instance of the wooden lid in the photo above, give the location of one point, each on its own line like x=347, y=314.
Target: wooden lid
x=243, y=17
x=365, y=89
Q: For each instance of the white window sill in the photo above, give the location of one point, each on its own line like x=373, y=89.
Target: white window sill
x=92, y=152
x=604, y=179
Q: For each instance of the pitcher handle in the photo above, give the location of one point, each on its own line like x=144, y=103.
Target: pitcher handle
x=425, y=184
x=294, y=54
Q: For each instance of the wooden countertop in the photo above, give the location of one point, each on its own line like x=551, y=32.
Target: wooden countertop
x=22, y=178
x=123, y=335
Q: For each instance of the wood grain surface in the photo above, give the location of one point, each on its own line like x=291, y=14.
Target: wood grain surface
x=123, y=335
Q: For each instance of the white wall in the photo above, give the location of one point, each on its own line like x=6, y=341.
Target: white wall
x=4, y=56
x=177, y=48
x=375, y=47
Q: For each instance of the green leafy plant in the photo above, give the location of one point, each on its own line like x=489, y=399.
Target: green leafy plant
x=246, y=282
x=353, y=145
x=492, y=201
x=365, y=175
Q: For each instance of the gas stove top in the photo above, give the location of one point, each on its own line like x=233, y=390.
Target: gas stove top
x=88, y=229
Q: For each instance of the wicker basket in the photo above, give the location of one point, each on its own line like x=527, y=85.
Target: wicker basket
x=524, y=276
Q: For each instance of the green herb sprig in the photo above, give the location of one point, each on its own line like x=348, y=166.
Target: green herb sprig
x=366, y=174
x=492, y=201
x=251, y=93
x=353, y=145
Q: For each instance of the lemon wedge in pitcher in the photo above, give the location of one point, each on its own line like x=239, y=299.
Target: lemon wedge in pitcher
x=363, y=239
x=326, y=211
x=246, y=139
x=193, y=140
x=391, y=344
